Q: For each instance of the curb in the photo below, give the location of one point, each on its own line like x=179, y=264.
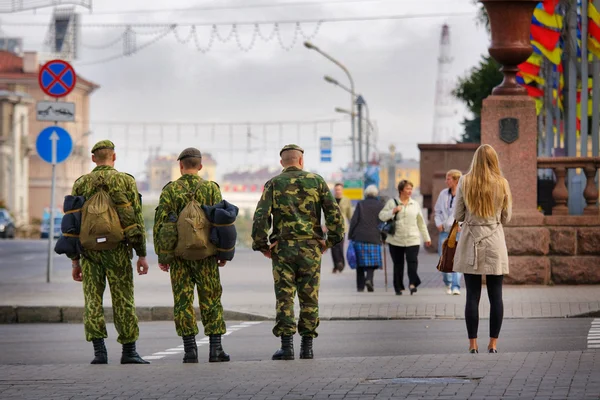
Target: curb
x=41, y=314
x=46, y=314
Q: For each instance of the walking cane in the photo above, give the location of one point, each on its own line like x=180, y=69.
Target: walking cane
x=385, y=267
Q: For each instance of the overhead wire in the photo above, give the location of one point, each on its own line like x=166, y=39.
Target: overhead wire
x=265, y=22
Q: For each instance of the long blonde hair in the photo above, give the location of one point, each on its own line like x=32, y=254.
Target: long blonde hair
x=482, y=182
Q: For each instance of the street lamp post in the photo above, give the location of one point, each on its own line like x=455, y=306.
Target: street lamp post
x=311, y=46
x=333, y=81
x=360, y=102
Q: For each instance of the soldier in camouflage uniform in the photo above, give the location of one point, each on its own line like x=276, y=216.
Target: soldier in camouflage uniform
x=187, y=275
x=96, y=267
x=293, y=201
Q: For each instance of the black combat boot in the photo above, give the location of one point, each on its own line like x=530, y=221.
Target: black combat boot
x=130, y=356
x=191, y=350
x=100, y=355
x=306, y=350
x=216, y=352
x=286, y=352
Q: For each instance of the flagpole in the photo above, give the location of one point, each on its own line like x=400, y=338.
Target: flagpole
x=584, y=78
x=596, y=102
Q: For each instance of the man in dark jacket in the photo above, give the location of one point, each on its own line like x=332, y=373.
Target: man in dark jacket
x=366, y=238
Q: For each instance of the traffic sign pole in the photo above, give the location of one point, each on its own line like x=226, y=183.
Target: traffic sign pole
x=56, y=78
x=54, y=139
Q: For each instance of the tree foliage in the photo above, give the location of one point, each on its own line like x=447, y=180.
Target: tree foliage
x=472, y=90
x=477, y=85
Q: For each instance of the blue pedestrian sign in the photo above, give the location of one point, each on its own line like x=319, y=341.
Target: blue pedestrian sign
x=54, y=144
x=326, y=145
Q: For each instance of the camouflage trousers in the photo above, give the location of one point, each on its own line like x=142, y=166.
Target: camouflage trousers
x=113, y=266
x=297, y=268
x=204, y=276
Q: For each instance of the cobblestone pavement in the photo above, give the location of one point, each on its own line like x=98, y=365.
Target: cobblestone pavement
x=549, y=375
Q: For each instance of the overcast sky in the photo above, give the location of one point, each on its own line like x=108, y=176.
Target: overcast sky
x=393, y=62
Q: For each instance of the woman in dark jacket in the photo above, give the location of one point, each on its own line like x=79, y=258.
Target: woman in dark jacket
x=366, y=238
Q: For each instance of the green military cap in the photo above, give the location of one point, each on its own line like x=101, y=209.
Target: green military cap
x=190, y=152
x=291, y=147
x=103, y=144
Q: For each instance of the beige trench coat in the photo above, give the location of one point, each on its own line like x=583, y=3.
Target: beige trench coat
x=481, y=247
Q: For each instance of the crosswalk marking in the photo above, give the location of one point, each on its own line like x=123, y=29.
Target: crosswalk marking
x=200, y=342
x=593, y=338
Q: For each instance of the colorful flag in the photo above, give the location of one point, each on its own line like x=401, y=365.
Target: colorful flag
x=554, y=56
x=550, y=6
x=541, y=17
x=544, y=36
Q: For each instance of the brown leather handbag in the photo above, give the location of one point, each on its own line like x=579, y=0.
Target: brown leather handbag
x=446, y=263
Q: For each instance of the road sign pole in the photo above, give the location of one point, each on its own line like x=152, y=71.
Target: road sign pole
x=54, y=140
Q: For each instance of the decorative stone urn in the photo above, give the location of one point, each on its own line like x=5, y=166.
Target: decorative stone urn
x=510, y=22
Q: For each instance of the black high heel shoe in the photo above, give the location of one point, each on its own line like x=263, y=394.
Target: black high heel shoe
x=473, y=351
x=492, y=351
x=412, y=290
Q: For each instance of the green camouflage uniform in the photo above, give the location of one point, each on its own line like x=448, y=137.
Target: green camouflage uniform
x=293, y=201
x=112, y=265
x=185, y=275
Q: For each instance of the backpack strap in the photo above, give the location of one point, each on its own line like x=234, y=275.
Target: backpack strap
x=191, y=194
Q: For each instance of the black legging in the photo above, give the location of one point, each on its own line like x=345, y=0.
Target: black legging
x=494, y=289
x=398, y=253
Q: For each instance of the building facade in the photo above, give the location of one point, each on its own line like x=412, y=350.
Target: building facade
x=164, y=169
x=14, y=154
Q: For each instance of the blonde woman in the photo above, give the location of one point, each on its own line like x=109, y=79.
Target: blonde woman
x=483, y=205
x=444, y=218
x=406, y=241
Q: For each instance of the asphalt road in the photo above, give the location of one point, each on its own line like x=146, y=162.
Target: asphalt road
x=37, y=344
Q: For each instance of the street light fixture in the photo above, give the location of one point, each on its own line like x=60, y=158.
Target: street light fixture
x=311, y=46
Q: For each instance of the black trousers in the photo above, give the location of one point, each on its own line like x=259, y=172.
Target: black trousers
x=398, y=254
x=494, y=289
x=337, y=254
x=361, y=273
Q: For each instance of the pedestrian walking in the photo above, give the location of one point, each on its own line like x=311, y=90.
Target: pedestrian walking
x=406, y=240
x=190, y=257
x=293, y=201
x=483, y=205
x=444, y=218
x=366, y=238
x=112, y=226
x=337, y=251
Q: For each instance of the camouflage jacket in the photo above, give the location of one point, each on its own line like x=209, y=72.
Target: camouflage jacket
x=173, y=200
x=293, y=201
x=120, y=183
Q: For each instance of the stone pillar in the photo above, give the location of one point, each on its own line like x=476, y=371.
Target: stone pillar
x=509, y=125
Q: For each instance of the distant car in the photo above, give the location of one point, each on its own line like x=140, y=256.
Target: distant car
x=45, y=228
x=7, y=225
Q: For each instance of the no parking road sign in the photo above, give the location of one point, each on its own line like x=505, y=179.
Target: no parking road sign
x=57, y=78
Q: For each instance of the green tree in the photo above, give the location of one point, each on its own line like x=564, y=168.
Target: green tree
x=472, y=90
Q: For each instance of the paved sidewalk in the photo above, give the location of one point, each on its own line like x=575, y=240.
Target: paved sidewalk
x=550, y=375
x=248, y=289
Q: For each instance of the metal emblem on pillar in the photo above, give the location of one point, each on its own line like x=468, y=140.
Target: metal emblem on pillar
x=509, y=129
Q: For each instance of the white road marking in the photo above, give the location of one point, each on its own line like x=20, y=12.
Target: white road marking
x=593, y=338
x=205, y=340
